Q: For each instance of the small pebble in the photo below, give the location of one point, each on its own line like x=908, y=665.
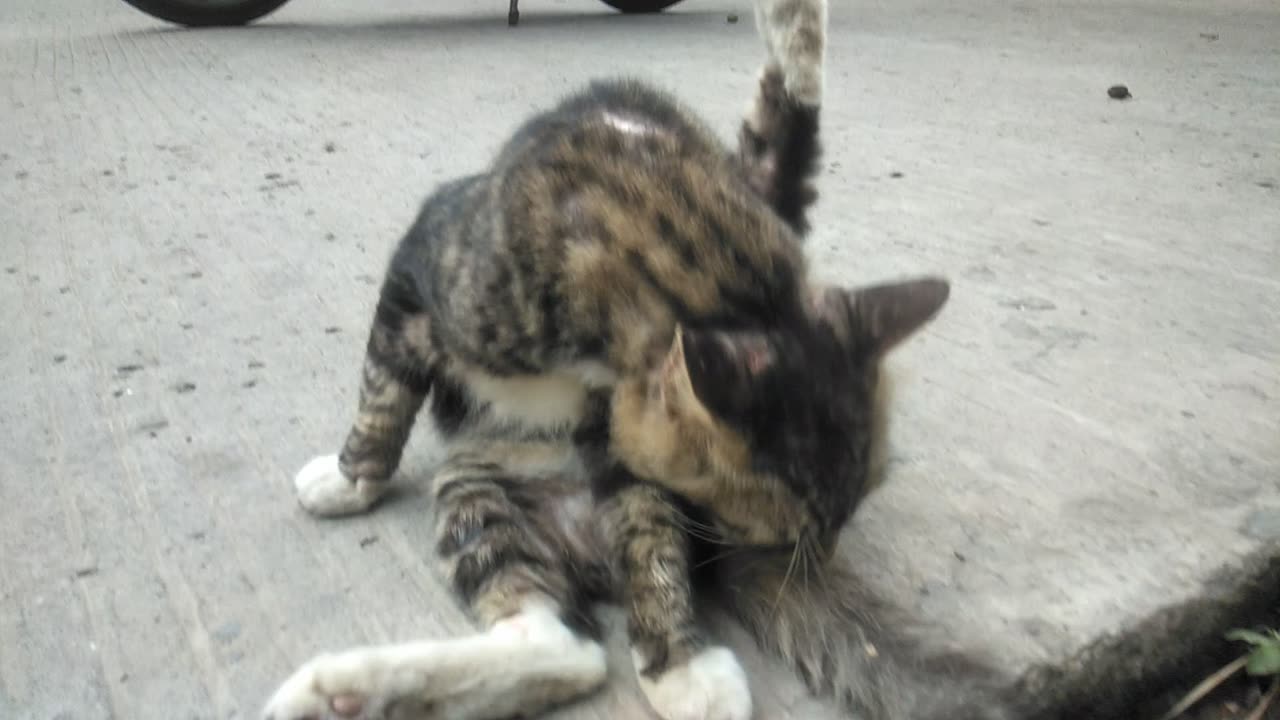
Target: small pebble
x=1118, y=92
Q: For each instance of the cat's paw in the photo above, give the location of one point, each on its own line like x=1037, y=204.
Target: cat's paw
x=711, y=686
x=324, y=491
x=329, y=687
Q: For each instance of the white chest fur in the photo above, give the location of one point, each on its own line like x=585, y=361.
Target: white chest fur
x=552, y=400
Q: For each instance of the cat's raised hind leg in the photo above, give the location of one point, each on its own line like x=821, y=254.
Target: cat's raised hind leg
x=396, y=378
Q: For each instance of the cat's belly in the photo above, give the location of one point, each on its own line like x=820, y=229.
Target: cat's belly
x=550, y=401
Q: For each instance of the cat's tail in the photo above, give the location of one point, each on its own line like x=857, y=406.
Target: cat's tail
x=845, y=642
x=778, y=144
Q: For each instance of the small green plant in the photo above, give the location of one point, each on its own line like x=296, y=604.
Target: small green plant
x=1263, y=660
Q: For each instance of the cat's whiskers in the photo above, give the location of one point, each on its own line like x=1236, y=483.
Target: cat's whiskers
x=699, y=530
x=704, y=535
x=804, y=559
x=791, y=566
x=733, y=550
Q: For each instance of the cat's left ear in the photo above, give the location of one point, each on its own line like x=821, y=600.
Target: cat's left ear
x=876, y=318
x=712, y=368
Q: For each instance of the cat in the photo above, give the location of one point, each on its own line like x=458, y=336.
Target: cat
x=633, y=375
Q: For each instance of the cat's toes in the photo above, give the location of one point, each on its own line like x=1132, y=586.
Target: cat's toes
x=308, y=696
x=711, y=686
x=324, y=491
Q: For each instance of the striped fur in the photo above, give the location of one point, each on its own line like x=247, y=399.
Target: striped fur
x=615, y=333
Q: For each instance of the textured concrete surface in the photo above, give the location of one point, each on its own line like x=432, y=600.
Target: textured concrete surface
x=1087, y=454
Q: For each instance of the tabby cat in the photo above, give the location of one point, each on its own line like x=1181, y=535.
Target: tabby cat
x=634, y=379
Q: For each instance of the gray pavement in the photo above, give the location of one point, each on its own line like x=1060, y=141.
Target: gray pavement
x=1086, y=469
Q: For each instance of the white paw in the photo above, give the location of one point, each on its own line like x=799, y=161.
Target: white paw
x=329, y=687
x=711, y=686
x=323, y=490
x=537, y=643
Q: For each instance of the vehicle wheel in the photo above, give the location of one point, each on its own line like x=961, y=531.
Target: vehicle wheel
x=640, y=6
x=207, y=13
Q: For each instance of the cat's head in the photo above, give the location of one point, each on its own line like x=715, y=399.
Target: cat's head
x=772, y=433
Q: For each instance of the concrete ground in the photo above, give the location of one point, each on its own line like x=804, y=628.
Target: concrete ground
x=1086, y=473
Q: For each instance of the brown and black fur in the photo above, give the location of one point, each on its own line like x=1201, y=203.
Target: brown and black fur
x=583, y=245
x=712, y=395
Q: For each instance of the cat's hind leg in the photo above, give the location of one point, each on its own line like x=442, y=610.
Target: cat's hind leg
x=795, y=34
x=396, y=377
x=521, y=665
x=505, y=550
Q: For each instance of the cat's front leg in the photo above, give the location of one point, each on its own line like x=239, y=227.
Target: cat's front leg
x=396, y=378
x=682, y=676
x=707, y=685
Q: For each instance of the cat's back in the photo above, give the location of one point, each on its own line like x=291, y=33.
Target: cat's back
x=603, y=222
x=615, y=116
x=643, y=217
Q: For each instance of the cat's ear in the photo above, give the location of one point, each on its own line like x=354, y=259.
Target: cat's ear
x=673, y=377
x=876, y=318
x=713, y=369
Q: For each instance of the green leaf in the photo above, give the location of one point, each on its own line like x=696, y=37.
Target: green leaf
x=1249, y=636
x=1264, y=660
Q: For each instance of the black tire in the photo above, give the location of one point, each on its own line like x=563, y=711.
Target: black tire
x=207, y=13
x=640, y=6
